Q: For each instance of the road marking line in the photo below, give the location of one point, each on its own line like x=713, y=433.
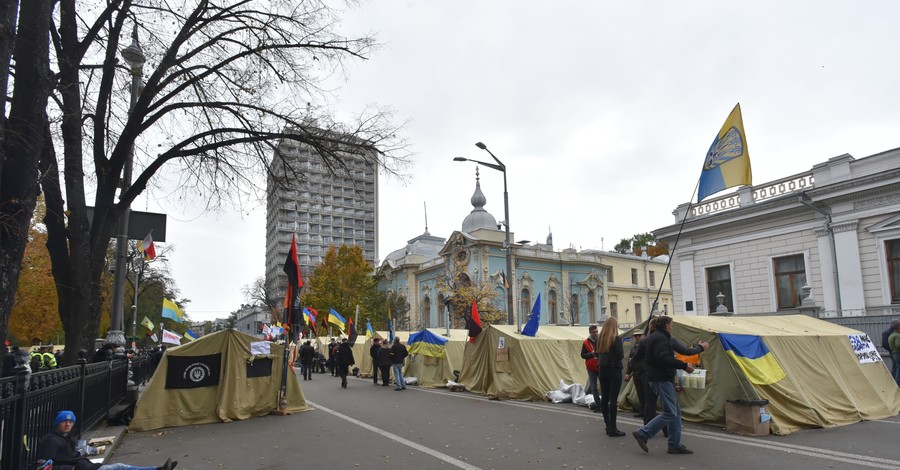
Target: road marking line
x=826, y=454
x=396, y=438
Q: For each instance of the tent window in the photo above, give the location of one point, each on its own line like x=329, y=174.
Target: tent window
x=718, y=279
x=525, y=302
x=426, y=311
x=551, y=305
x=892, y=248
x=592, y=307
x=790, y=276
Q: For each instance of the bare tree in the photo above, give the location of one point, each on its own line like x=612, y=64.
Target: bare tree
x=257, y=293
x=224, y=84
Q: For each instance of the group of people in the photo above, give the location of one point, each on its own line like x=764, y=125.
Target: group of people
x=40, y=358
x=651, y=365
x=385, y=358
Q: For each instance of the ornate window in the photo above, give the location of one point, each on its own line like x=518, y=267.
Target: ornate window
x=892, y=249
x=592, y=306
x=718, y=279
x=442, y=311
x=573, y=303
x=525, y=302
x=426, y=311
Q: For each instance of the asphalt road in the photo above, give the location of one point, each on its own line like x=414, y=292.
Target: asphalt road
x=367, y=426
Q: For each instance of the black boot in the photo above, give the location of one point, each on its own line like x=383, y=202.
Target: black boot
x=614, y=432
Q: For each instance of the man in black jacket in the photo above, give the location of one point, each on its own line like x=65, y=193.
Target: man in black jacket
x=59, y=446
x=307, y=353
x=343, y=359
x=373, y=352
x=660, y=365
x=398, y=354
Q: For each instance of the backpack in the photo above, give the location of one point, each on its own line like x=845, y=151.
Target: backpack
x=884, y=339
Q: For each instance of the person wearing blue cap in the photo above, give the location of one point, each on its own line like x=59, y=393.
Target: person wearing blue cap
x=59, y=446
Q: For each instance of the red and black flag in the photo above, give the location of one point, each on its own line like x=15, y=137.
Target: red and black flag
x=293, y=314
x=474, y=323
x=351, y=332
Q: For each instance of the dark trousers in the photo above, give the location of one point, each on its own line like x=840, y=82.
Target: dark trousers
x=385, y=374
x=374, y=372
x=610, y=384
x=342, y=372
x=306, y=370
x=650, y=400
x=640, y=385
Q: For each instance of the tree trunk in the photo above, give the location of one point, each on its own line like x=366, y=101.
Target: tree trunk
x=23, y=142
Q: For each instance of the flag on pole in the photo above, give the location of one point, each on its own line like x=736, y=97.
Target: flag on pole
x=352, y=334
x=190, y=335
x=727, y=162
x=370, y=333
x=294, y=283
x=311, y=314
x=336, y=319
x=146, y=247
x=534, y=321
x=474, y=323
x=147, y=323
x=390, y=326
x=170, y=337
x=171, y=311
x=154, y=337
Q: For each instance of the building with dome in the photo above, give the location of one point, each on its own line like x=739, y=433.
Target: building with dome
x=576, y=287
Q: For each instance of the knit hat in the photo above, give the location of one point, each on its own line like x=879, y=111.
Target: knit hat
x=64, y=415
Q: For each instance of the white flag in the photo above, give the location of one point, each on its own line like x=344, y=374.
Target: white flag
x=154, y=337
x=169, y=337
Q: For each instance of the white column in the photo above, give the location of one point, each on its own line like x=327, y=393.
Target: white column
x=688, y=286
x=846, y=240
x=826, y=271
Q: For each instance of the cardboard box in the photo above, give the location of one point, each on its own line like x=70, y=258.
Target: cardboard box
x=746, y=418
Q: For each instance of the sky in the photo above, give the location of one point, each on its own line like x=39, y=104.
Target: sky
x=602, y=112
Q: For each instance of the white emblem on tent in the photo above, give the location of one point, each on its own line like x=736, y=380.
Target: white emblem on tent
x=196, y=372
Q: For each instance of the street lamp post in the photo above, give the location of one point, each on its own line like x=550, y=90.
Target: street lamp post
x=507, y=245
x=134, y=57
x=134, y=305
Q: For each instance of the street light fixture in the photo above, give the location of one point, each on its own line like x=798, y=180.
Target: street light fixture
x=507, y=244
x=134, y=57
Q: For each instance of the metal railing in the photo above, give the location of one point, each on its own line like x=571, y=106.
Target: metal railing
x=28, y=404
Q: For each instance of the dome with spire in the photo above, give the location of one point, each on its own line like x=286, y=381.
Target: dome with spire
x=478, y=218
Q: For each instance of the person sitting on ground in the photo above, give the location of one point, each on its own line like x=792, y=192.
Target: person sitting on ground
x=59, y=446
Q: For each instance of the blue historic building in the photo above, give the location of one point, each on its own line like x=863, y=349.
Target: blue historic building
x=576, y=287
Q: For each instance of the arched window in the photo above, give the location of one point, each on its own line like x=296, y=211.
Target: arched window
x=552, y=307
x=525, y=303
x=576, y=315
x=426, y=311
x=592, y=307
x=442, y=311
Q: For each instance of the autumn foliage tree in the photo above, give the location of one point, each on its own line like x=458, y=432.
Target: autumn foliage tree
x=462, y=290
x=342, y=281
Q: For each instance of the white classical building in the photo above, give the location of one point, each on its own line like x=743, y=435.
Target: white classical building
x=835, y=229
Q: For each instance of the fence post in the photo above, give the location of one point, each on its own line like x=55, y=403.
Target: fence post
x=18, y=450
x=82, y=363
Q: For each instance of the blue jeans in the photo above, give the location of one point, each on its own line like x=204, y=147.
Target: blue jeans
x=593, y=377
x=398, y=376
x=895, y=357
x=123, y=466
x=670, y=417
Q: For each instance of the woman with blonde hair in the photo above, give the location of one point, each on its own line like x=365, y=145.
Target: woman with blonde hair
x=611, y=353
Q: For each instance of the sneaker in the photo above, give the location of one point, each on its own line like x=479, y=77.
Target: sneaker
x=641, y=441
x=680, y=450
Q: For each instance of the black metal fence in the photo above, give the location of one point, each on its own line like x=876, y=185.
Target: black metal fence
x=29, y=405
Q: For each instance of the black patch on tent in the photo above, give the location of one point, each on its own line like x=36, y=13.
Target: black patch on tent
x=193, y=371
x=261, y=367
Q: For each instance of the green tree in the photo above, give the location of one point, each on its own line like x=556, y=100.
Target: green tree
x=342, y=281
x=224, y=82
x=633, y=245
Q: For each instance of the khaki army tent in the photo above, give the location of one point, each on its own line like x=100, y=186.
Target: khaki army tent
x=533, y=365
x=435, y=372
x=214, y=379
x=818, y=379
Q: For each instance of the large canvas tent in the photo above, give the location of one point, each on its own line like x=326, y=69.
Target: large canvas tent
x=215, y=379
x=534, y=367
x=824, y=383
x=433, y=372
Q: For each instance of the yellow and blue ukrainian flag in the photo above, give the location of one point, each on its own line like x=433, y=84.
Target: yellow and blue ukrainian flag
x=336, y=319
x=727, y=162
x=369, y=331
x=427, y=343
x=752, y=355
x=171, y=311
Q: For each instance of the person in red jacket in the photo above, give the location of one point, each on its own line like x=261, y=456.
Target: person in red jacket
x=589, y=354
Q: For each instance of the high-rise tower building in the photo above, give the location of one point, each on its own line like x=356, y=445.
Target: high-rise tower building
x=323, y=206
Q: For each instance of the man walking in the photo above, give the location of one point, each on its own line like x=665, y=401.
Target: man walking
x=373, y=352
x=343, y=358
x=894, y=343
x=398, y=354
x=660, y=364
x=307, y=353
x=589, y=354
